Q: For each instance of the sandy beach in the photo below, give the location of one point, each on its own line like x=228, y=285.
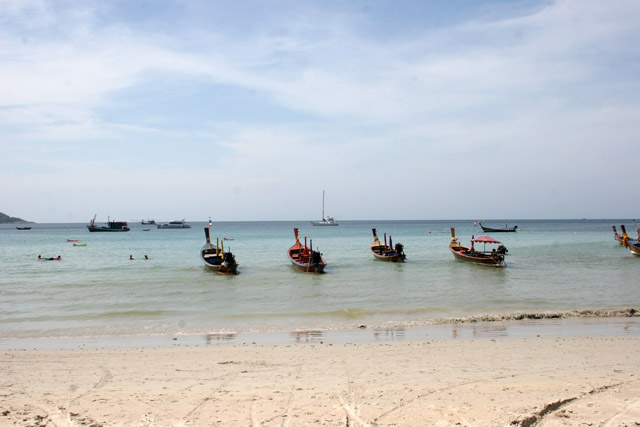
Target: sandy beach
x=546, y=381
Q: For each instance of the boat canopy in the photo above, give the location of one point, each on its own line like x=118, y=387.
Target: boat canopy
x=485, y=239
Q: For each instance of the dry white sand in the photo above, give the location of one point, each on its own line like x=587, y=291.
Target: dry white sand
x=479, y=382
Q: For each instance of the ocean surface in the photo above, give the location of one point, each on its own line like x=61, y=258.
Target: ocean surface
x=96, y=291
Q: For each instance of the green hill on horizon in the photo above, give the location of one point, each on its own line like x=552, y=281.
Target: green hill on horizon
x=6, y=219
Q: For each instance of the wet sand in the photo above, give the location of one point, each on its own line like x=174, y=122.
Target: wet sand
x=601, y=322
x=476, y=381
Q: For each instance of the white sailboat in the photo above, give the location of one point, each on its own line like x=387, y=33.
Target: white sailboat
x=326, y=220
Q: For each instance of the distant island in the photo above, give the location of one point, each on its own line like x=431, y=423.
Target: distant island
x=6, y=219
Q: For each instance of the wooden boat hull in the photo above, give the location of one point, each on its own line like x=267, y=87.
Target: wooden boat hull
x=463, y=253
x=380, y=252
x=383, y=252
x=217, y=262
x=633, y=246
x=23, y=228
x=499, y=230
x=617, y=237
x=300, y=257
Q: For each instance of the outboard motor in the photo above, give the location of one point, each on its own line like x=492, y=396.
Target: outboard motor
x=316, y=258
x=228, y=258
x=400, y=250
x=229, y=261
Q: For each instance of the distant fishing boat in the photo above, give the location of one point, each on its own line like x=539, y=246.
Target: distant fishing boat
x=112, y=226
x=148, y=222
x=305, y=258
x=216, y=258
x=58, y=258
x=385, y=252
x=326, y=220
x=79, y=244
x=506, y=229
x=23, y=228
x=495, y=258
x=175, y=224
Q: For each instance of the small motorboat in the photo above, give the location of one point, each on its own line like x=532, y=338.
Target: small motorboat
x=385, y=252
x=304, y=258
x=23, y=228
x=79, y=244
x=41, y=258
x=495, y=258
x=216, y=258
x=72, y=240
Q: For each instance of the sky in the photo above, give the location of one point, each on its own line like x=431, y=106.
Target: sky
x=248, y=110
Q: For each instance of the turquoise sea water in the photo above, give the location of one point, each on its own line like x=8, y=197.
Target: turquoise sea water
x=97, y=291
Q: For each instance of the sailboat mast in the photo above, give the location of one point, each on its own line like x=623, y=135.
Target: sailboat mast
x=323, y=205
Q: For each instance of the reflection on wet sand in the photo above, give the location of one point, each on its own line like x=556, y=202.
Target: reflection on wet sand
x=219, y=338
x=489, y=330
x=308, y=336
x=389, y=334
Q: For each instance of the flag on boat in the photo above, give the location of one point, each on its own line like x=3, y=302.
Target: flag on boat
x=210, y=223
x=475, y=223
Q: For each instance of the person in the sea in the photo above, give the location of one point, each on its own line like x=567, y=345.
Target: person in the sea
x=146, y=257
x=131, y=257
x=39, y=256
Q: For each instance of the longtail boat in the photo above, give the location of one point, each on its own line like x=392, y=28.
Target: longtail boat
x=632, y=245
x=216, y=258
x=495, y=258
x=616, y=236
x=506, y=229
x=386, y=252
x=304, y=257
